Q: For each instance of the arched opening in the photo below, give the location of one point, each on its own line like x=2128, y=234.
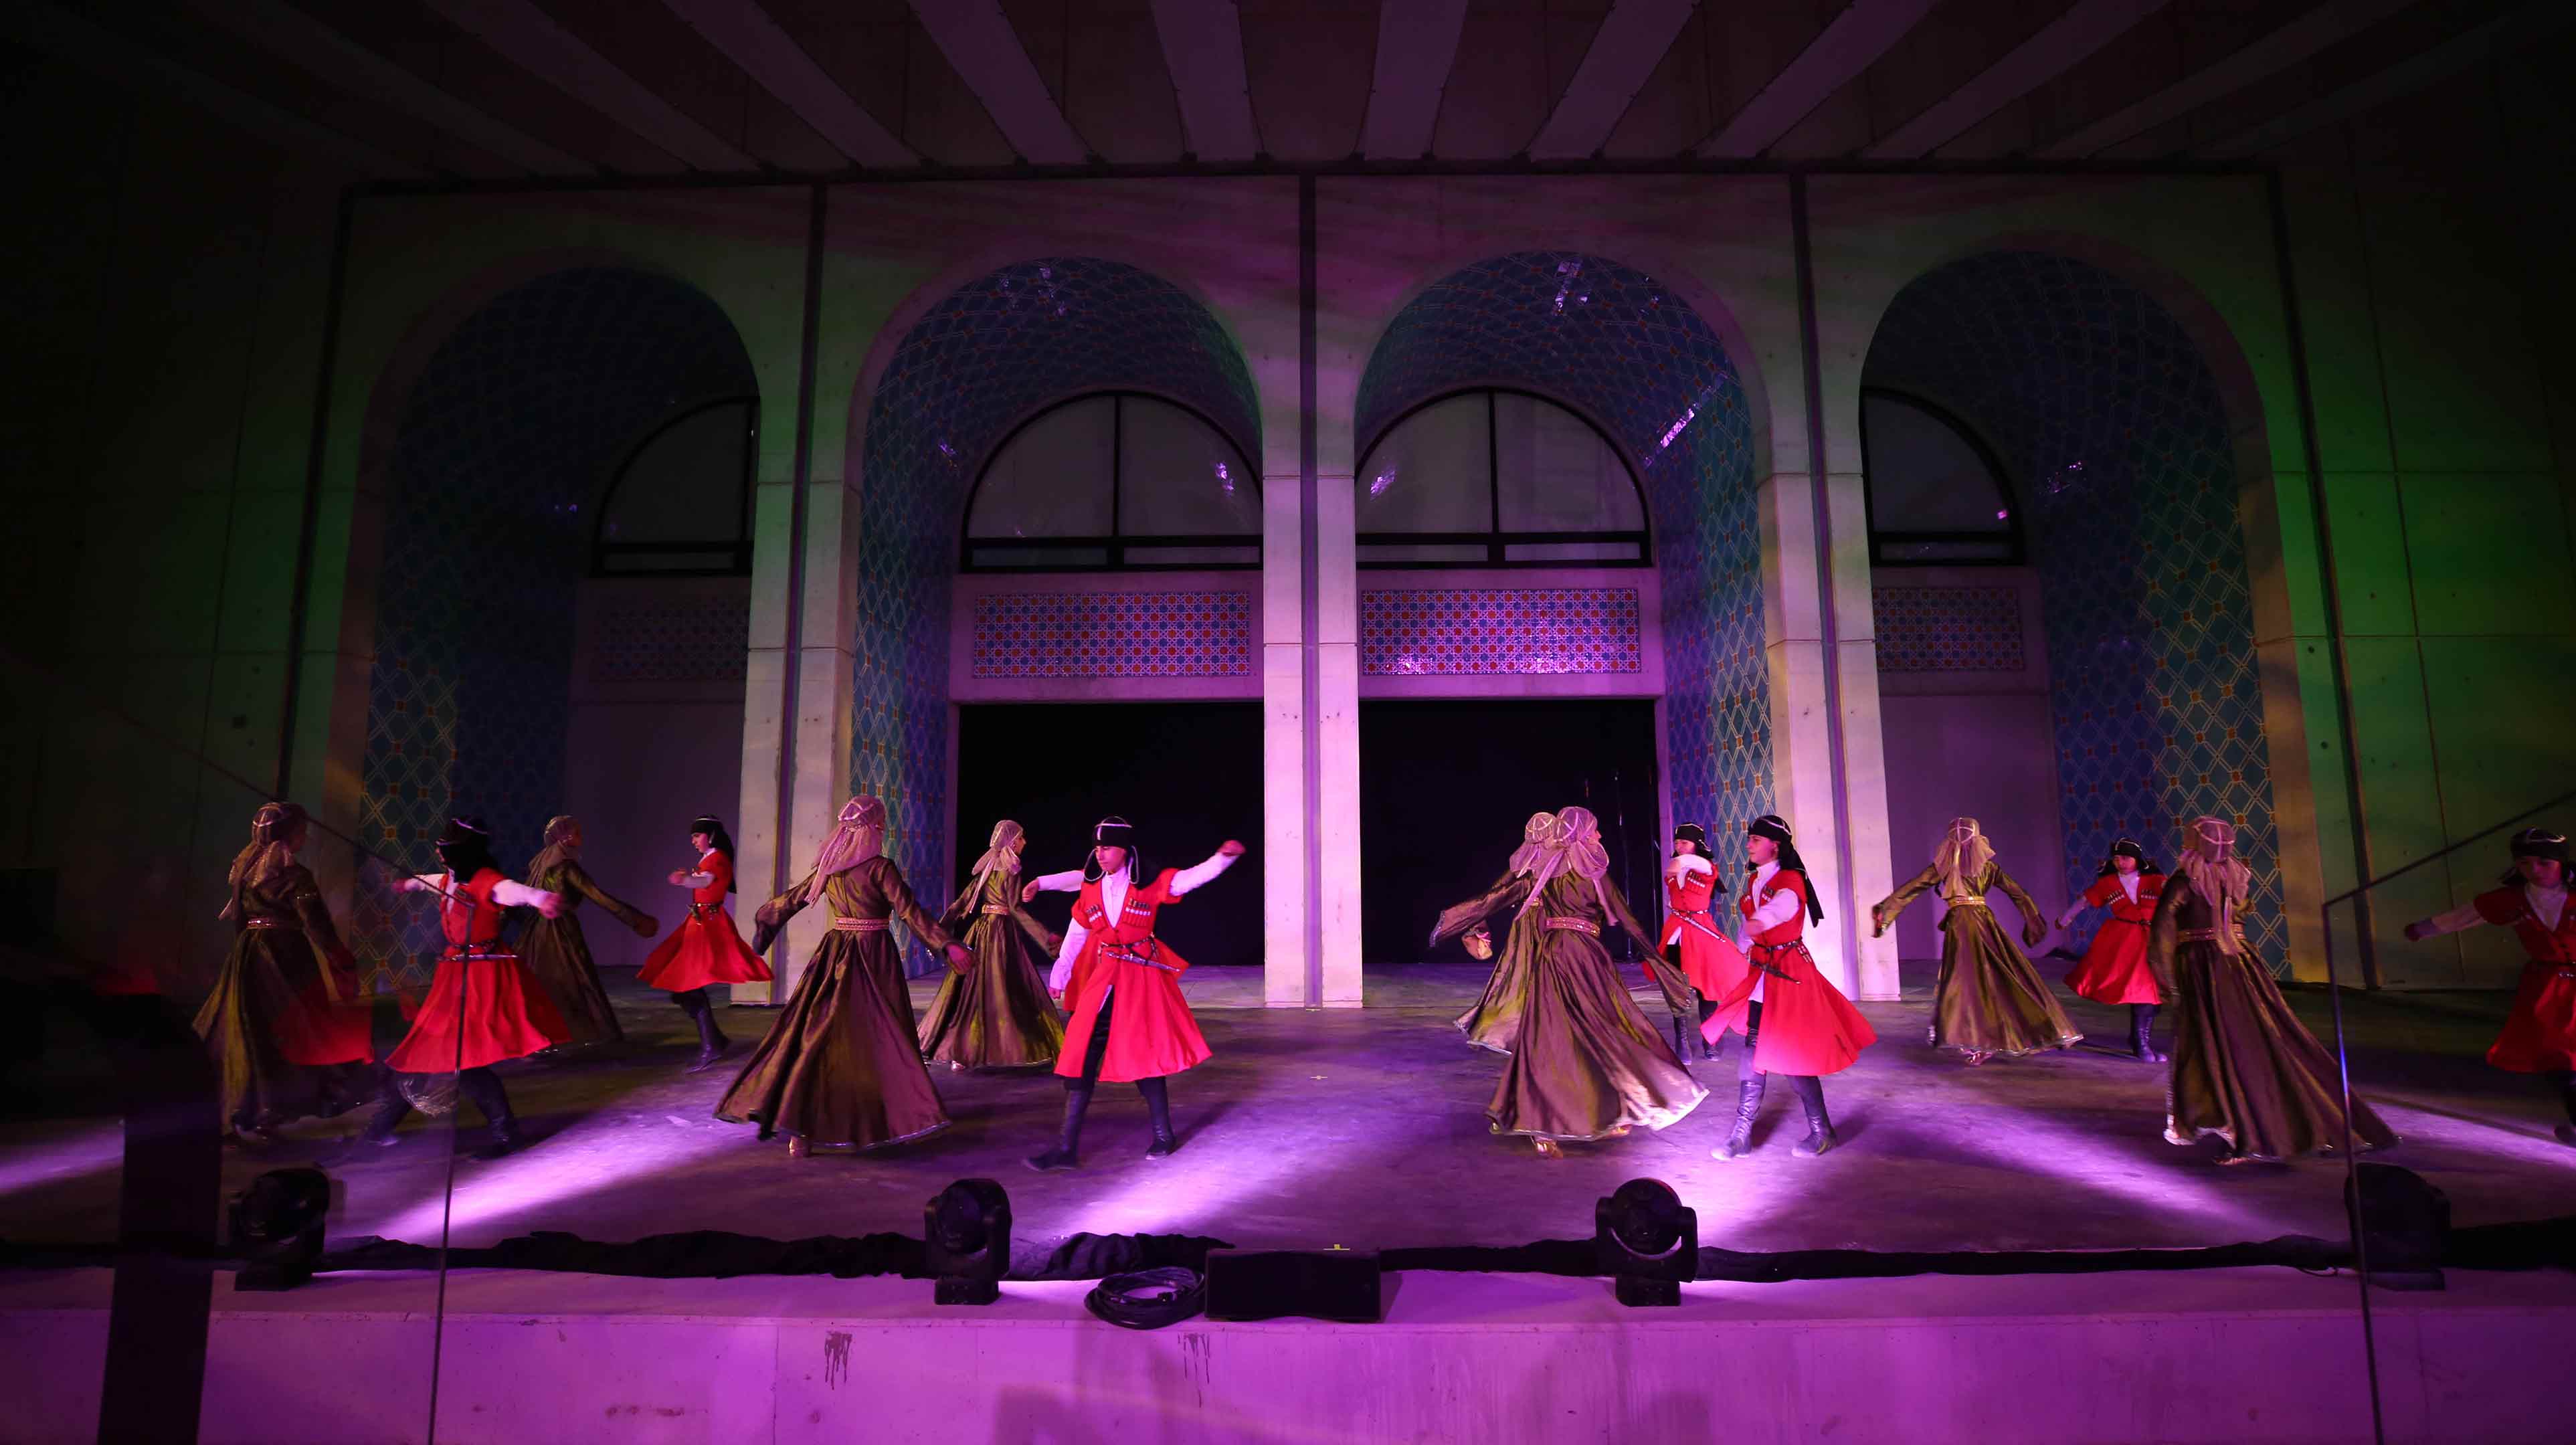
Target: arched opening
x=1058, y=506
x=1498, y=478
x=1114, y=481
x=562, y=600
x=1556, y=514
x=2105, y=683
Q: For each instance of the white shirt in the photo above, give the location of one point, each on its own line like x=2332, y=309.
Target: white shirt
x=1113, y=901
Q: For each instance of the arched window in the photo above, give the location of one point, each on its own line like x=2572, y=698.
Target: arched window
x=1495, y=478
x=1115, y=480
x=1937, y=495
x=680, y=503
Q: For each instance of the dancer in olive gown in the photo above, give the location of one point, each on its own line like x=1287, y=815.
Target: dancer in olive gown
x=1586, y=1064
x=1990, y=999
x=287, y=1024
x=2244, y=1067
x=554, y=948
x=995, y=1014
x=841, y=1067
x=1495, y=1021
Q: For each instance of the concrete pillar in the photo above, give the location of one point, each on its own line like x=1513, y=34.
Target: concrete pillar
x=1284, y=821
x=1337, y=740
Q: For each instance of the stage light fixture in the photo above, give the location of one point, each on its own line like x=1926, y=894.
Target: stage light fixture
x=1647, y=1241
x=2403, y=1223
x=277, y=1225
x=966, y=1242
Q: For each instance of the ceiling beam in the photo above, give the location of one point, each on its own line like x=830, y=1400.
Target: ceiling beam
x=2087, y=26
x=2461, y=52
x=979, y=42
x=121, y=62
x=332, y=58
x=1850, y=43
x=1417, y=42
x=2271, y=54
x=1631, y=42
x=1203, y=47
x=531, y=40
x=751, y=38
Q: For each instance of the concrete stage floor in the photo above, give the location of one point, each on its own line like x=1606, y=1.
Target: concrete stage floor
x=1367, y=1129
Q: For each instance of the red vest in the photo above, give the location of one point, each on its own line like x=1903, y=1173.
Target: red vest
x=720, y=870
x=476, y=923
x=1687, y=893
x=2512, y=907
x=2106, y=892
x=1787, y=880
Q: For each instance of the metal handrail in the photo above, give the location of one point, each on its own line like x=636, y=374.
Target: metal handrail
x=2447, y=850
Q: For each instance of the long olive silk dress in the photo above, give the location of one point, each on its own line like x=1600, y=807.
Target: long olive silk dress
x=288, y=1028
x=1990, y=998
x=1585, y=1063
x=2244, y=1067
x=841, y=1066
x=557, y=953
x=996, y=1014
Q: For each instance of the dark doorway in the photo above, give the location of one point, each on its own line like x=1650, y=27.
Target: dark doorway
x=1187, y=774
x=1445, y=787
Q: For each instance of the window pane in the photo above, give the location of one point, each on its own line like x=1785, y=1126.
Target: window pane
x=1050, y=480
x=684, y=485
x=1406, y=554
x=1178, y=477
x=1924, y=476
x=1194, y=556
x=1571, y=552
x=1429, y=474
x=992, y=556
x=1557, y=474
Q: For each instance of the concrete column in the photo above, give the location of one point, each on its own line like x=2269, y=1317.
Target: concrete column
x=1337, y=728
x=1284, y=822
x=1836, y=805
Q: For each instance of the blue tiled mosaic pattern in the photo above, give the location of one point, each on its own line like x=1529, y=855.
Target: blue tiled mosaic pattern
x=984, y=359
x=2112, y=425
x=1612, y=342
x=503, y=447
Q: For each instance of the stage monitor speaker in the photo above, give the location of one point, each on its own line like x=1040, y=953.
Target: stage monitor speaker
x=277, y=1227
x=1323, y=1284
x=966, y=1242
x=1647, y=1241
x=2404, y=1225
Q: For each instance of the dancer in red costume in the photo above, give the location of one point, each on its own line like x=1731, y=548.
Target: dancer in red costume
x=1793, y=1019
x=1693, y=940
x=1130, y=1023
x=704, y=949
x=484, y=1005
x=2539, y=1035
x=2114, y=970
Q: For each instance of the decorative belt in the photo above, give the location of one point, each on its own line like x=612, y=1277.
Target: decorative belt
x=470, y=953
x=705, y=910
x=1967, y=903
x=861, y=925
x=1763, y=953
x=269, y=923
x=996, y=910
x=2207, y=935
x=1574, y=925
x=2132, y=922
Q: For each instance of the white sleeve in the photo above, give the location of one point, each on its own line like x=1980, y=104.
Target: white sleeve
x=1200, y=874
x=1775, y=910
x=1062, y=974
x=697, y=880
x=1068, y=881
x=518, y=895
x=2465, y=916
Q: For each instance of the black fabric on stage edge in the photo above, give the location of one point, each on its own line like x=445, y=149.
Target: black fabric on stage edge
x=714, y=1254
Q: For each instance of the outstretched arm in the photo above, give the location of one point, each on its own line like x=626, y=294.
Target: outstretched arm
x=1626, y=918
x=2034, y=925
x=1458, y=918
x=2466, y=916
x=1894, y=903
x=578, y=880
x=773, y=915
x=1199, y=874
x=1068, y=881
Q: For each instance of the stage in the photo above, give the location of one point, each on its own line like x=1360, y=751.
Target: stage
x=1366, y=1129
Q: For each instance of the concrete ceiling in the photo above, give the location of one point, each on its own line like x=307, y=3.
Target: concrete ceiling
x=512, y=89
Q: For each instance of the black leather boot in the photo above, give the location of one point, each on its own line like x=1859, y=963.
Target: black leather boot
x=2142, y=1033
x=1158, y=1103
x=484, y=1088
x=1820, y=1125
x=1748, y=1105
x=1068, y=1142
x=1707, y=1011
x=711, y=1041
